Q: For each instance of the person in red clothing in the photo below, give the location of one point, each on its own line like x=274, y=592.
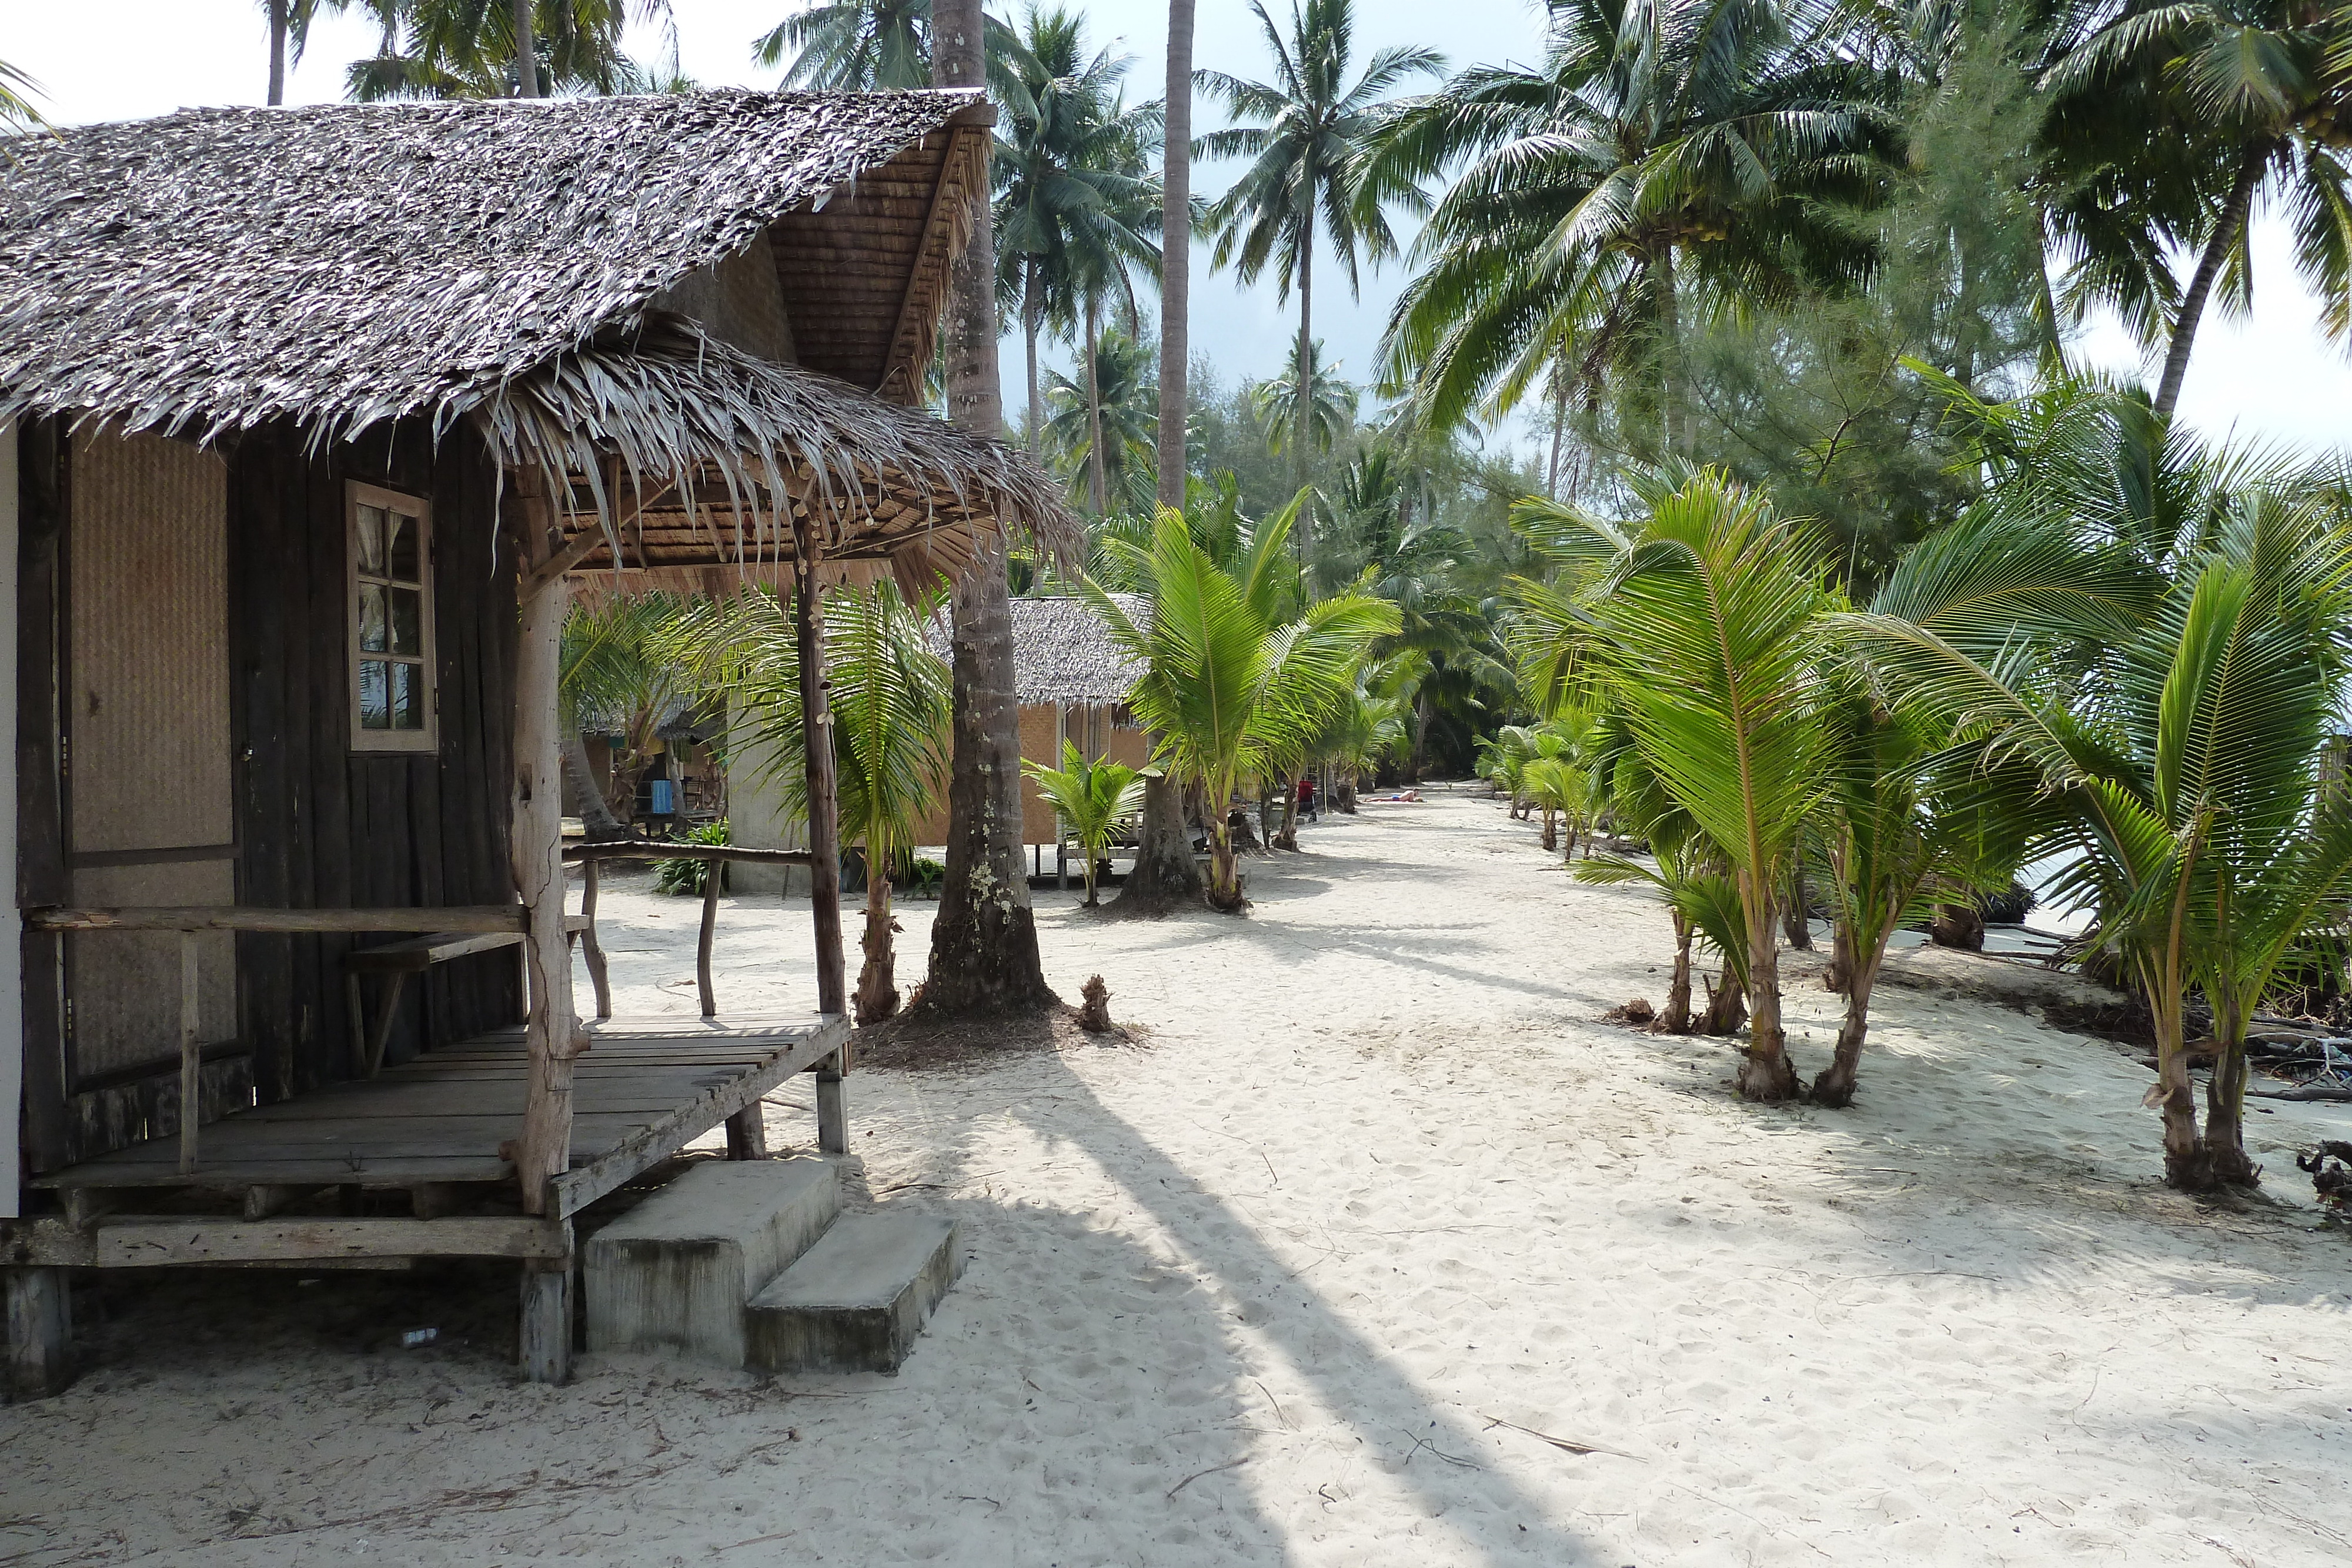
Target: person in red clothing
x=1307, y=799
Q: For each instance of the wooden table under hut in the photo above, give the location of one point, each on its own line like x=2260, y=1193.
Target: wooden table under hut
x=312, y=423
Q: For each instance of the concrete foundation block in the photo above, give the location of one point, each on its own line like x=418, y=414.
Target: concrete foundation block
x=857, y=1299
x=673, y=1274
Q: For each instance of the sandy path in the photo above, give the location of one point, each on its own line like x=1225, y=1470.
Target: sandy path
x=1253, y=1294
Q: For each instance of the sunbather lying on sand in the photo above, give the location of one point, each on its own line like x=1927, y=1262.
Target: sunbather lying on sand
x=1406, y=797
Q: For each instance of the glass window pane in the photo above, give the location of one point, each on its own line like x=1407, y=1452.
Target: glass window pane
x=376, y=700
x=408, y=697
x=370, y=541
x=404, y=548
x=407, y=612
x=372, y=617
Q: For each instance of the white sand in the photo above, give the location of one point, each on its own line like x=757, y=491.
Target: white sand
x=1253, y=1293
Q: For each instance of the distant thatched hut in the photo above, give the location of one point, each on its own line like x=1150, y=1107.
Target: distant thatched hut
x=311, y=423
x=1072, y=682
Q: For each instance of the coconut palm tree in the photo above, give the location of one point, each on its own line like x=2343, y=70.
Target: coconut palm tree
x=2225, y=103
x=1667, y=150
x=984, y=952
x=891, y=702
x=1072, y=203
x=1329, y=413
x=851, y=46
x=1234, y=678
x=2182, y=778
x=1096, y=799
x=1309, y=129
x=1170, y=469
x=1709, y=626
x=1101, y=422
x=469, y=48
x=874, y=45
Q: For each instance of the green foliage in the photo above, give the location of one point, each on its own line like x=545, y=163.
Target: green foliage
x=1096, y=799
x=890, y=703
x=1238, y=678
x=690, y=876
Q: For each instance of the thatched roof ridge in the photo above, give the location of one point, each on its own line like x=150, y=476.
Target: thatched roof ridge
x=1063, y=650
x=344, y=263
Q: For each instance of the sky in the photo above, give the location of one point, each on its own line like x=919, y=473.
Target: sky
x=2271, y=377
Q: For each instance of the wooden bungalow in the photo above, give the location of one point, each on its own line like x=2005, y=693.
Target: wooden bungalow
x=311, y=423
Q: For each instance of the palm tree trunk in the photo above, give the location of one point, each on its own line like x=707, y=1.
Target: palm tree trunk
x=277, y=22
x=984, y=937
x=1306, y=524
x=1165, y=875
x=1559, y=425
x=1176, y=251
x=1669, y=346
x=1094, y=420
x=1834, y=1087
x=1225, y=868
x=1551, y=831
x=1423, y=712
x=1288, y=838
x=526, y=52
x=878, y=990
x=1764, y=1074
x=1033, y=311
x=1796, y=916
x=1676, y=1017
x=2225, y=1101
x=595, y=811
x=2227, y=227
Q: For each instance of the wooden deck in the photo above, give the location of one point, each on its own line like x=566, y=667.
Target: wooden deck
x=642, y=1091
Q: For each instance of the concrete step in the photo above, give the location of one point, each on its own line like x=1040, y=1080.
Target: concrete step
x=857, y=1299
x=673, y=1274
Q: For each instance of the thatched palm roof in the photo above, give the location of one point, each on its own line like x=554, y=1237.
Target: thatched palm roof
x=498, y=263
x=1063, y=652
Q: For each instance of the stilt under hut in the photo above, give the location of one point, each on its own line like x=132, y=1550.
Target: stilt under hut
x=311, y=423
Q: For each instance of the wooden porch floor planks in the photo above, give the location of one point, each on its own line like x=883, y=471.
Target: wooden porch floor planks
x=643, y=1091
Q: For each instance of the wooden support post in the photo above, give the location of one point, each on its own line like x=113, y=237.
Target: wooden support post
x=831, y=1106
x=747, y=1134
x=40, y=1332
x=823, y=800
x=598, y=976
x=192, y=1060
x=544, y=1150
x=547, y=1321
x=710, y=873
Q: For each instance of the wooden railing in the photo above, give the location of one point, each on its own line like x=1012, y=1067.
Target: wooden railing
x=190, y=920
x=591, y=855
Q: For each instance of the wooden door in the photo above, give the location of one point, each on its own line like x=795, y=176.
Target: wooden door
x=149, y=806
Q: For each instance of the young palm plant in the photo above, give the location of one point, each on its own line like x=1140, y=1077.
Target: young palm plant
x=1096, y=799
x=1708, y=628
x=890, y=702
x=1236, y=675
x=2186, y=784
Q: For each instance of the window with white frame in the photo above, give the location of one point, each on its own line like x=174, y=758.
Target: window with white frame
x=391, y=611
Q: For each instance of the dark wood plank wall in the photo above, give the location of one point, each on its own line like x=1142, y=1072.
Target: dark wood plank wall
x=319, y=824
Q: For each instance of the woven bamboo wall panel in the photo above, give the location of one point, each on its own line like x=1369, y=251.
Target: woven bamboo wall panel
x=148, y=706
x=126, y=984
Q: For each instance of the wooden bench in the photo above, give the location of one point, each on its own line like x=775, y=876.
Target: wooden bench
x=394, y=962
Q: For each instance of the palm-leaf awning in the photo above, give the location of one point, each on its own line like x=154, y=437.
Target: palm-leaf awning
x=505, y=266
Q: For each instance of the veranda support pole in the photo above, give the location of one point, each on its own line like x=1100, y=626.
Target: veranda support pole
x=544, y=1150
x=824, y=829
